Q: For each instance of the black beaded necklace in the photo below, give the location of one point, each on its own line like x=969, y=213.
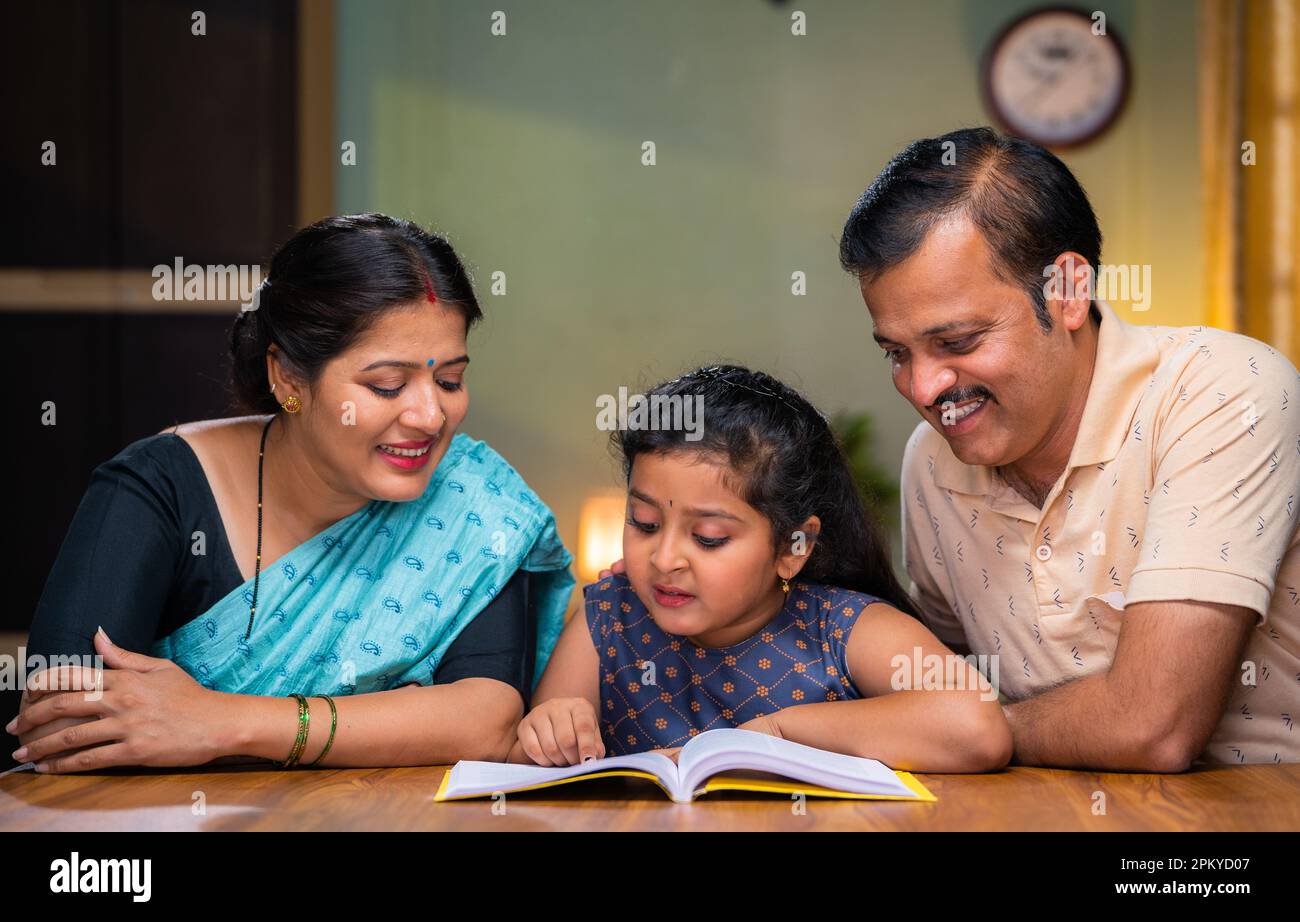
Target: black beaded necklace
x=257, y=564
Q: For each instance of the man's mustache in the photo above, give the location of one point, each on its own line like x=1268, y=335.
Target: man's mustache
x=959, y=395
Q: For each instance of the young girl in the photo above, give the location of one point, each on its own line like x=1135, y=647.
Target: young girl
x=756, y=594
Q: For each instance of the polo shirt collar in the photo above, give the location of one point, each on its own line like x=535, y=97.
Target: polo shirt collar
x=1126, y=359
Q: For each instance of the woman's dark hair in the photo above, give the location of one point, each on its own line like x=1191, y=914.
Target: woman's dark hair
x=327, y=284
x=1024, y=200
x=787, y=464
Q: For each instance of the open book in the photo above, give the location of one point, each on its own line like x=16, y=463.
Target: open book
x=698, y=770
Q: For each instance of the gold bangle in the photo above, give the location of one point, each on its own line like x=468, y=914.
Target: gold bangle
x=304, y=728
x=300, y=742
x=334, y=722
x=304, y=717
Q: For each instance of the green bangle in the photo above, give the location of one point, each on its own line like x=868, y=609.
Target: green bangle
x=334, y=722
x=300, y=742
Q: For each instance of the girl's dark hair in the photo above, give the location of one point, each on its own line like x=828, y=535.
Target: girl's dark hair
x=786, y=463
x=325, y=287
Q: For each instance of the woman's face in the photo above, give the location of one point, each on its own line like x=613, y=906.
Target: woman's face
x=687, y=530
x=382, y=413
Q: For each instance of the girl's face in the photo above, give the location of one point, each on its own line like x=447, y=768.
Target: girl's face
x=380, y=417
x=688, y=532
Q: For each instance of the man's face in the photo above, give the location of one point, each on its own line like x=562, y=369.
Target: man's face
x=967, y=350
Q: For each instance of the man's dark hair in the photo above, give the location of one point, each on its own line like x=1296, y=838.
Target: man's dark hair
x=1024, y=200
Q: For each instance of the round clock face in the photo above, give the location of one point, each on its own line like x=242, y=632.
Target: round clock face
x=1051, y=79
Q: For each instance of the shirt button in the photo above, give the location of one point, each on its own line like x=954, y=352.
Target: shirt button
x=1043, y=552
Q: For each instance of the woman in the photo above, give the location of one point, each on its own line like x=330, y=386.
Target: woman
x=344, y=541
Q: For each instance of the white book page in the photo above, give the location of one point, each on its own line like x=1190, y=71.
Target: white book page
x=475, y=778
x=717, y=751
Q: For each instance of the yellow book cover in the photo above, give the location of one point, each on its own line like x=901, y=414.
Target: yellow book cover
x=703, y=766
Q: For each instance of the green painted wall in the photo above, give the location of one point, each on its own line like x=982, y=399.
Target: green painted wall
x=526, y=151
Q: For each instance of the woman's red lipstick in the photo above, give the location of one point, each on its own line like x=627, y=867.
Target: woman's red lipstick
x=418, y=454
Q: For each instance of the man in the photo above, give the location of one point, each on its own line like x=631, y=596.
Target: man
x=1111, y=509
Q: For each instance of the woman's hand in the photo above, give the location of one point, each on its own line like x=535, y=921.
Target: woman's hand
x=617, y=568
x=45, y=729
x=561, y=731
x=150, y=712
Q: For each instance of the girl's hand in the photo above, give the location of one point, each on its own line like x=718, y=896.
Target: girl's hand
x=617, y=568
x=765, y=724
x=149, y=710
x=670, y=753
x=561, y=731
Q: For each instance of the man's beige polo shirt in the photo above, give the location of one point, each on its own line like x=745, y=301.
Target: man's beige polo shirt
x=1184, y=483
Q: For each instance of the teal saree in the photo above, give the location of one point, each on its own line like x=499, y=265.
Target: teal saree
x=374, y=601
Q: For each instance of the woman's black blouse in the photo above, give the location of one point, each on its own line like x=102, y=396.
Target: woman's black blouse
x=128, y=563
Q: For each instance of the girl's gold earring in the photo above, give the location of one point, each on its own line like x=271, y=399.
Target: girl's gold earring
x=292, y=405
x=785, y=585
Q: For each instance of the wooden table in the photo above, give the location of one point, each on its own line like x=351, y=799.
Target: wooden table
x=1248, y=797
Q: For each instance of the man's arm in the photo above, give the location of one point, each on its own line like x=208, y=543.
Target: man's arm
x=1156, y=707
x=1217, y=527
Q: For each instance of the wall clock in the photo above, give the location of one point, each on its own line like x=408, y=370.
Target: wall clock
x=1051, y=78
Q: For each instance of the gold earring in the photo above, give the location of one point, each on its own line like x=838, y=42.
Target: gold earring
x=292, y=405
x=785, y=585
